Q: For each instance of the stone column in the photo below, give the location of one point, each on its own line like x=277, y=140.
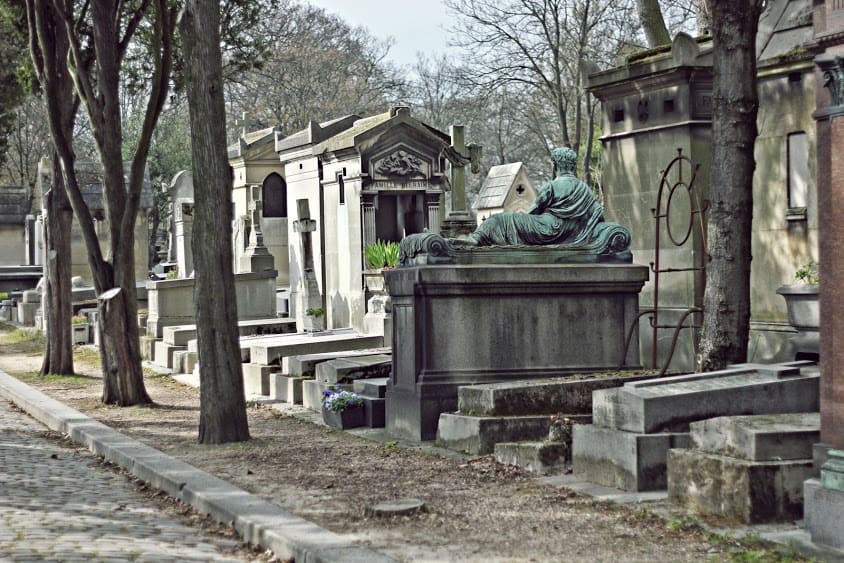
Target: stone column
x=367, y=205
x=432, y=203
x=183, y=220
x=824, y=497
x=308, y=297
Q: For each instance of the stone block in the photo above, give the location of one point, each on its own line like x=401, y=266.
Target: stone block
x=374, y=409
x=26, y=313
x=164, y=353
x=190, y=362
x=623, y=460
x=747, y=491
x=375, y=387
x=536, y=457
x=572, y=394
x=179, y=361
x=347, y=370
x=671, y=403
x=272, y=350
x=479, y=434
x=823, y=514
x=256, y=379
x=286, y=388
x=148, y=348
x=305, y=364
x=759, y=437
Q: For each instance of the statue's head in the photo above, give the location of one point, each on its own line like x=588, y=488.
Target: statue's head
x=565, y=159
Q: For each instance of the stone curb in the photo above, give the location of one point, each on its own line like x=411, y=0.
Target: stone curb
x=257, y=521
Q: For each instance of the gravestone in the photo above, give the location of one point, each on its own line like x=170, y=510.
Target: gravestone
x=309, y=296
x=183, y=225
x=257, y=257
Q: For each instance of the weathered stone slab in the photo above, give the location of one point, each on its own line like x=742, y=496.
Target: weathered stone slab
x=347, y=370
x=623, y=460
x=374, y=412
x=268, y=351
x=536, y=457
x=375, y=387
x=572, y=394
x=752, y=492
x=305, y=364
x=759, y=437
x=179, y=335
x=671, y=403
x=479, y=434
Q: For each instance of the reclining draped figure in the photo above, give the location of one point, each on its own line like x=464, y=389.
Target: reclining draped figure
x=565, y=216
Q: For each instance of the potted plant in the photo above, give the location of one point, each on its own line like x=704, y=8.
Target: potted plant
x=801, y=301
x=79, y=329
x=342, y=409
x=380, y=255
x=314, y=320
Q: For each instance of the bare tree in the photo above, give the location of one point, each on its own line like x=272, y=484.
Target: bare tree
x=726, y=319
x=28, y=140
x=222, y=405
x=48, y=46
x=112, y=26
x=542, y=45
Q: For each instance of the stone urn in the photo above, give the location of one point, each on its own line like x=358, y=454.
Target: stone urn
x=801, y=301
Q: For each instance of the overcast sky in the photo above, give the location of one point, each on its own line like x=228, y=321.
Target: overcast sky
x=415, y=25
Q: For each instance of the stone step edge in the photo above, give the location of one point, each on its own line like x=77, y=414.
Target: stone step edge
x=256, y=520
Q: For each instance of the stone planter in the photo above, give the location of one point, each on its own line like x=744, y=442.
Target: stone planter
x=79, y=333
x=801, y=302
x=352, y=417
x=313, y=324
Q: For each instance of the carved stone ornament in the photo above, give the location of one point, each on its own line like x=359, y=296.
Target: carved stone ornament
x=833, y=78
x=400, y=163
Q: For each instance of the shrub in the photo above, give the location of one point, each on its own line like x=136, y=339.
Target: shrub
x=808, y=273
x=79, y=320
x=382, y=254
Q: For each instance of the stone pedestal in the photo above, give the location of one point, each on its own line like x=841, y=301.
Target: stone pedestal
x=465, y=324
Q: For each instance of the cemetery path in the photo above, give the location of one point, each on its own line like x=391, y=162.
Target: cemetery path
x=478, y=510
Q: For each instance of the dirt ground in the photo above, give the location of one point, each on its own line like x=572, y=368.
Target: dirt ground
x=477, y=510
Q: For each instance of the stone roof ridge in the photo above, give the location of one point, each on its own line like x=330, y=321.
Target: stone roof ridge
x=784, y=26
x=497, y=184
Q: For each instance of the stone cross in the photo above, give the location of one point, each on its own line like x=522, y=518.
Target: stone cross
x=309, y=297
x=459, y=221
x=256, y=257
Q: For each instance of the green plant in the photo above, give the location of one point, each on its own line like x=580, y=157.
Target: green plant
x=4, y=295
x=172, y=274
x=808, y=273
x=338, y=401
x=381, y=254
x=316, y=312
x=79, y=320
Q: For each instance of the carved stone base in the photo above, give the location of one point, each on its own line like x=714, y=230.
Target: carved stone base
x=459, y=325
x=457, y=225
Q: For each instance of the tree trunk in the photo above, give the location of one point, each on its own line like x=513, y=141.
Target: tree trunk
x=726, y=302
x=120, y=386
x=57, y=310
x=653, y=24
x=222, y=404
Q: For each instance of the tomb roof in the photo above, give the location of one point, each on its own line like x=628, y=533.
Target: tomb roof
x=89, y=175
x=498, y=182
x=785, y=26
x=252, y=140
x=315, y=132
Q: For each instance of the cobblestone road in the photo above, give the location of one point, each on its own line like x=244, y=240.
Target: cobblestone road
x=56, y=504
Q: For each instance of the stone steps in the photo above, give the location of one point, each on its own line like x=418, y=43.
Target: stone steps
x=635, y=425
x=746, y=468
x=179, y=335
x=515, y=415
x=271, y=350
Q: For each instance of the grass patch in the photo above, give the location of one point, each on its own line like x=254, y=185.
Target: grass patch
x=15, y=340
x=35, y=377
x=87, y=355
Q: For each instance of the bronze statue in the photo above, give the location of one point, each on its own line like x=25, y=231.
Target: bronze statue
x=565, y=212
